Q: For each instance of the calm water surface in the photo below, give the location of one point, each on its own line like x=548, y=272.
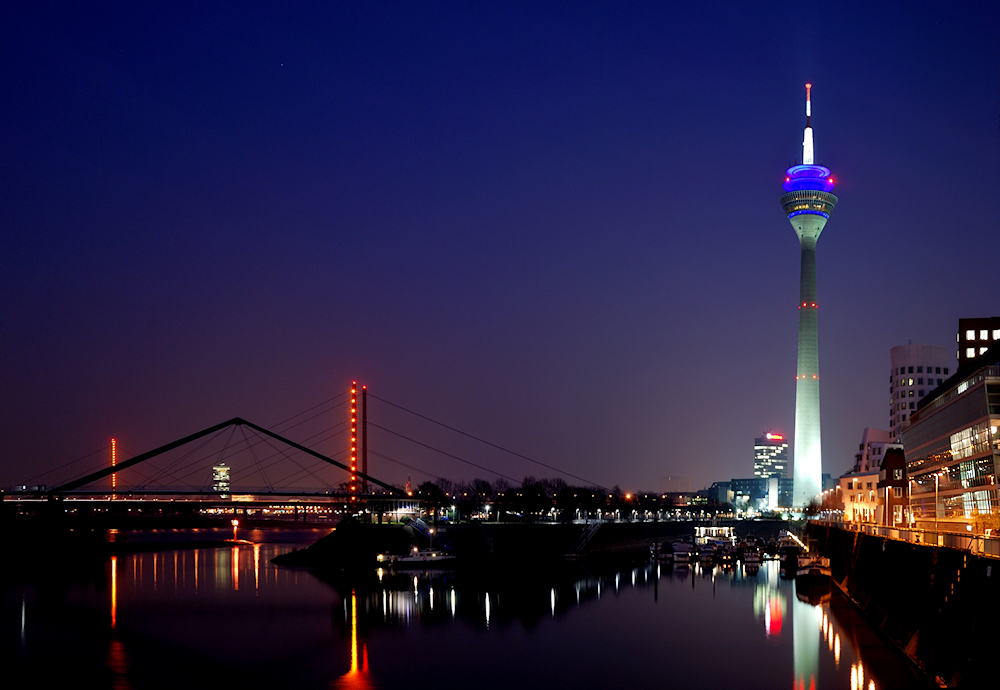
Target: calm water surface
x=226, y=617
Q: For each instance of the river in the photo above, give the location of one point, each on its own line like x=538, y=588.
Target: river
x=228, y=618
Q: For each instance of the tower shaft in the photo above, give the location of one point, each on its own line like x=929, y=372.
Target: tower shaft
x=808, y=454
x=807, y=202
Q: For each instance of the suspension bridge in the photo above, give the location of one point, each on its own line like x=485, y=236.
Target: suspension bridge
x=238, y=468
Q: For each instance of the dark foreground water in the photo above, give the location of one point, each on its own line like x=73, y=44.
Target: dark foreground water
x=228, y=618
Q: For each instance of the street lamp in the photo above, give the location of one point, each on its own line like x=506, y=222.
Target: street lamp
x=937, y=475
x=909, y=499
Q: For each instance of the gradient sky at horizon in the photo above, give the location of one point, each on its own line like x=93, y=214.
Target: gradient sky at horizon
x=552, y=226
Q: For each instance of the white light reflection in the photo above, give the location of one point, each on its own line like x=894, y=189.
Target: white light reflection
x=24, y=619
x=487, y=609
x=453, y=602
x=431, y=595
x=552, y=600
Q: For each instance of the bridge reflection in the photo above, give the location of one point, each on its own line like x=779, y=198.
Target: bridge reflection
x=391, y=600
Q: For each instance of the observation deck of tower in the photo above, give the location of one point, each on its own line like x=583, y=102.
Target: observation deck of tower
x=807, y=202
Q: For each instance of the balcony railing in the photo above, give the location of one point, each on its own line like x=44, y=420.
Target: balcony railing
x=977, y=544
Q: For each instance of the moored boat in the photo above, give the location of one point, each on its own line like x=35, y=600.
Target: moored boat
x=418, y=558
x=814, y=574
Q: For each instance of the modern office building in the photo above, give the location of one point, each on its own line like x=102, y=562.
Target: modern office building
x=952, y=447
x=220, y=479
x=770, y=456
x=915, y=371
x=807, y=202
x=975, y=337
x=757, y=493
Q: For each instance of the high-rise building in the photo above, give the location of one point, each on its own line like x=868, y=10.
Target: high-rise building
x=807, y=202
x=916, y=371
x=975, y=337
x=220, y=479
x=770, y=456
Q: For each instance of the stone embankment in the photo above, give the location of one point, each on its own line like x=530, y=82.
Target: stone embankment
x=938, y=604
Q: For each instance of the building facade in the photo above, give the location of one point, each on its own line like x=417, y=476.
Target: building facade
x=859, y=493
x=975, y=337
x=953, y=447
x=916, y=370
x=871, y=450
x=893, y=494
x=770, y=456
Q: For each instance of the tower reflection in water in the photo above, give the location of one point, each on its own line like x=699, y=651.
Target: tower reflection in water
x=487, y=601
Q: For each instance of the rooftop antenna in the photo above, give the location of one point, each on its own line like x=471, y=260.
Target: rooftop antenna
x=807, y=141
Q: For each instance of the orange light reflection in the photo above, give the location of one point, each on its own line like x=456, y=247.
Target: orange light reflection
x=114, y=592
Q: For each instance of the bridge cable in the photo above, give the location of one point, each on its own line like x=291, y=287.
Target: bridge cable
x=482, y=440
x=410, y=467
x=240, y=475
x=65, y=465
x=253, y=454
x=438, y=450
x=285, y=453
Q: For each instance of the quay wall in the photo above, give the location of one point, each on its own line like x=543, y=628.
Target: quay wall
x=353, y=543
x=939, y=605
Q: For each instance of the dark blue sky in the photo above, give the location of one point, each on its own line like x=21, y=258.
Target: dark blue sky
x=556, y=227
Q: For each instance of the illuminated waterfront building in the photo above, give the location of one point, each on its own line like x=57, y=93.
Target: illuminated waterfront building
x=859, y=493
x=893, y=497
x=916, y=370
x=953, y=447
x=807, y=202
x=975, y=337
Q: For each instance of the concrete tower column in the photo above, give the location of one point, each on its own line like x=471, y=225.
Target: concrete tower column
x=807, y=203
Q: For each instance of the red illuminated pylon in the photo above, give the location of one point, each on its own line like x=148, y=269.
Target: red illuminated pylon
x=354, y=440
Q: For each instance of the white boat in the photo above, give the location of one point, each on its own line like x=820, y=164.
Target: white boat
x=813, y=573
x=419, y=558
x=682, y=554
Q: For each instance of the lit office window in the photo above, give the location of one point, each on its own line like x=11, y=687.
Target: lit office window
x=970, y=335
x=984, y=335
x=996, y=333
x=983, y=349
x=970, y=352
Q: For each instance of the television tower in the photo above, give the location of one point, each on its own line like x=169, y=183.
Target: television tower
x=807, y=202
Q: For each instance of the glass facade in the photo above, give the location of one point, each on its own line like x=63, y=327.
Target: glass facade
x=952, y=451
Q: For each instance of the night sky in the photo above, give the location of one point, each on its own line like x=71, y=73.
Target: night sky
x=554, y=227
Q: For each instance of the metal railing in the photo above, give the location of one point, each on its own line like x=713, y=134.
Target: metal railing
x=977, y=544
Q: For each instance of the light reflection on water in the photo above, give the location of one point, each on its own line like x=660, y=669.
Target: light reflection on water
x=231, y=609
